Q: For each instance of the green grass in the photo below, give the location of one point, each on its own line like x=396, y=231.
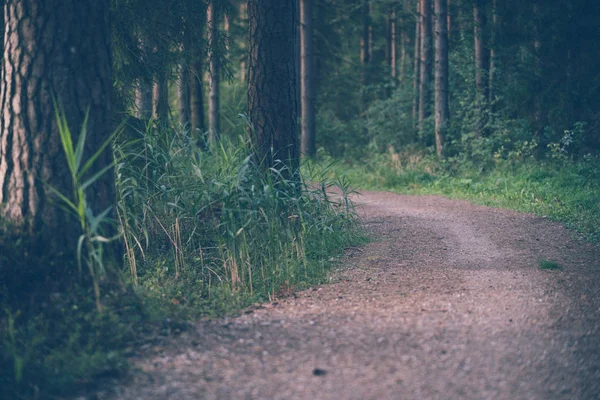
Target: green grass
x=206, y=233
x=564, y=191
x=549, y=265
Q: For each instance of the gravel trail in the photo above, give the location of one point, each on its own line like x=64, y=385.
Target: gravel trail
x=448, y=302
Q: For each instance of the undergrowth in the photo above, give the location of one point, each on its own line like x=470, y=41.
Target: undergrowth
x=205, y=232
x=562, y=189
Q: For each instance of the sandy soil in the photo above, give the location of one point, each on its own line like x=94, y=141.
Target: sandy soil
x=448, y=302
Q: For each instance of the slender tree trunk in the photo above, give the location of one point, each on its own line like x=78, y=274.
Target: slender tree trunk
x=272, y=91
x=143, y=94
x=197, y=105
x=365, y=51
x=214, y=112
x=493, y=44
x=482, y=54
x=161, y=99
x=449, y=18
x=53, y=48
x=417, y=66
x=426, y=63
x=442, y=109
x=393, y=46
x=537, y=45
x=184, y=94
x=482, y=63
x=403, y=56
x=184, y=86
x=307, y=87
x=243, y=65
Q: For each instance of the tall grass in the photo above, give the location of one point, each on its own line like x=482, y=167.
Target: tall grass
x=206, y=226
x=205, y=232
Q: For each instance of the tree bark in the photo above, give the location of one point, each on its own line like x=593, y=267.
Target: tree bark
x=482, y=54
x=417, y=66
x=307, y=81
x=59, y=48
x=493, y=45
x=537, y=65
x=426, y=63
x=244, y=20
x=161, y=99
x=272, y=91
x=184, y=86
x=365, y=51
x=197, y=105
x=442, y=109
x=393, y=46
x=214, y=111
x=482, y=63
x=144, y=89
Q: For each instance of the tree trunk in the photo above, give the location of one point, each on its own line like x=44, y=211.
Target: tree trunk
x=214, y=112
x=482, y=54
x=307, y=86
x=449, y=18
x=143, y=97
x=272, y=87
x=197, y=106
x=482, y=63
x=244, y=21
x=365, y=51
x=442, y=110
x=417, y=66
x=393, y=46
x=184, y=78
x=426, y=63
x=404, y=42
x=58, y=48
x=161, y=99
x=537, y=65
x=493, y=45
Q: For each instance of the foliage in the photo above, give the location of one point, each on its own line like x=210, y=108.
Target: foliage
x=560, y=189
x=206, y=234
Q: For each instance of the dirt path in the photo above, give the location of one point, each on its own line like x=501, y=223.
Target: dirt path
x=448, y=303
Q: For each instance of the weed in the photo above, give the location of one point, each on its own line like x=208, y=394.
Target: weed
x=549, y=265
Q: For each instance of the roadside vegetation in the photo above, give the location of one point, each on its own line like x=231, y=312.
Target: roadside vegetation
x=205, y=233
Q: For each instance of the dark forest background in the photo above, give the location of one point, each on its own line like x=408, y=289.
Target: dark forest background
x=162, y=161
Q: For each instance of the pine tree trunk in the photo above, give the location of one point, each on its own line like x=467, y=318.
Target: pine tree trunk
x=482, y=63
x=244, y=21
x=442, y=110
x=143, y=98
x=482, y=54
x=537, y=65
x=59, y=48
x=426, y=63
x=272, y=91
x=307, y=81
x=493, y=44
x=404, y=42
x=449, y=18
x=365, y=52
x=161, y=99
x=417, y=66
x=393, y=47
x=197, y=104
x=184, y=78
x=214, y=112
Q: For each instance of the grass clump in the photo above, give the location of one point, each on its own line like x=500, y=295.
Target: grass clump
x=205, y=232
x=549, y=265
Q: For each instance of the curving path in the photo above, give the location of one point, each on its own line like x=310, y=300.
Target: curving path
x=448, y=302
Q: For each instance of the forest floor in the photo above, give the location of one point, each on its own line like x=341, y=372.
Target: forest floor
x=449, y=301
